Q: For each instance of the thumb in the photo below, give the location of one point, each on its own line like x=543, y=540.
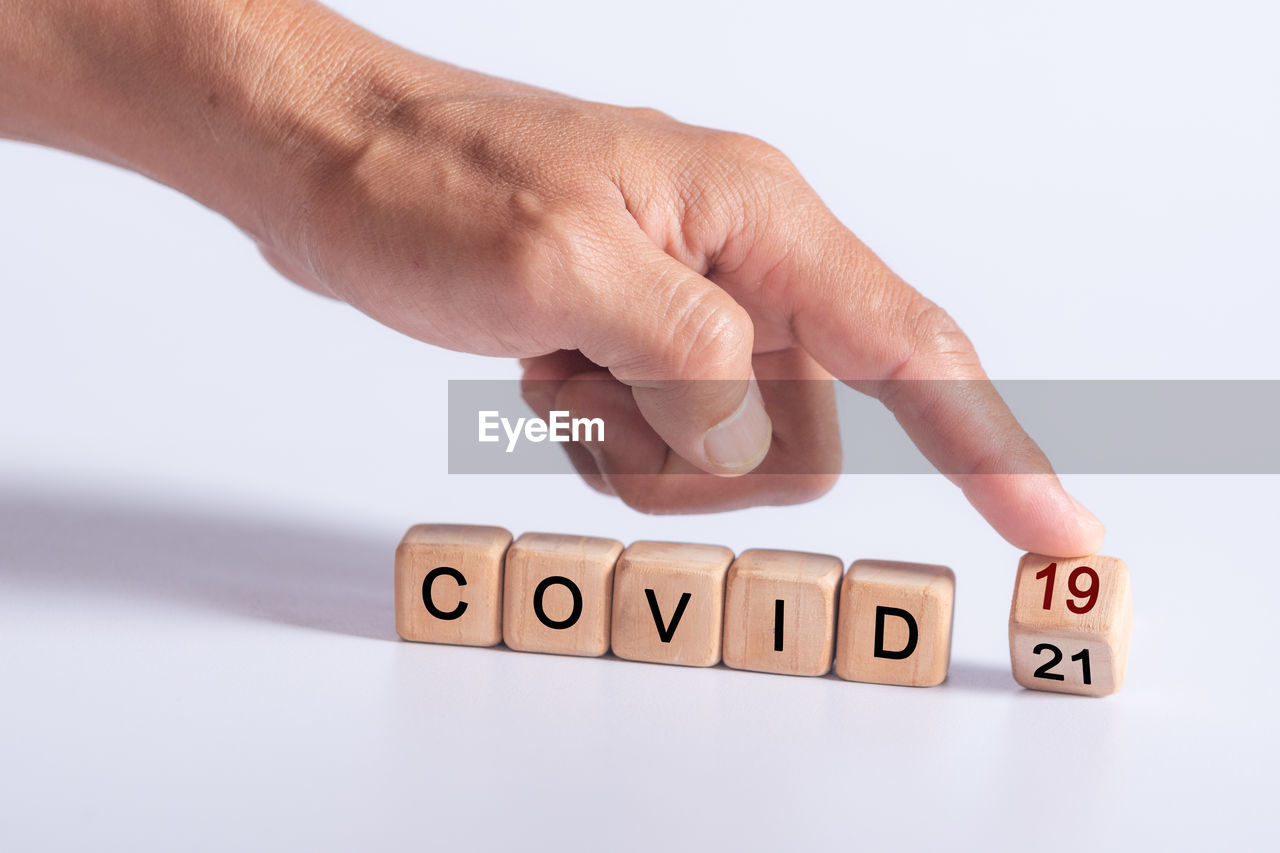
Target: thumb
x=684, y=347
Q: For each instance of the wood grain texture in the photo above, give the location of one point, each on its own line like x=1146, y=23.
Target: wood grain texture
x=1099, y=636
x=807, y=586
x=925, y=593
x=541, y=612
x=686, y=585
x=471, y=608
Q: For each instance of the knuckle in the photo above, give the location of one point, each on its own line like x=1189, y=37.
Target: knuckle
x=931, y=331
x=743, y=146
x=755, y=157
x=739, y=180
x=649, y=115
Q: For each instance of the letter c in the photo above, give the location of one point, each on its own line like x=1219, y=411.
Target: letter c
x=426, y=592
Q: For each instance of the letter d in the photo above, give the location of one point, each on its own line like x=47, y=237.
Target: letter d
x=913, y=633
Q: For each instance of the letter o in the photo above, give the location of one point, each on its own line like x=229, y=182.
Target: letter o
x=541, y=590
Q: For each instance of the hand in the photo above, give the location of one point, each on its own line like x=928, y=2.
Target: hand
x=612, y=244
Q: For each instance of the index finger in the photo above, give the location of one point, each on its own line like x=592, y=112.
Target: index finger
x=875, y=332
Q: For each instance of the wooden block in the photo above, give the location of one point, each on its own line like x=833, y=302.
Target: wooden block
x=559, y=594
x=895, y=623
x=1069, y=624
x=449, y=584
x=668, y=603
x=780, y=611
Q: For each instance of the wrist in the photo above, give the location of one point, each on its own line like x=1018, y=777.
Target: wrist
x=245, y=108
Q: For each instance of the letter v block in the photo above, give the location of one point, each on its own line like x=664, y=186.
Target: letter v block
x=559, y=594
x=668, y=603
x=895, y=623
x=1069, y=624
x=780, y=611
x=449, y=584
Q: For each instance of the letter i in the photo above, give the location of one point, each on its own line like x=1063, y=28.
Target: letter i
x=778, y=610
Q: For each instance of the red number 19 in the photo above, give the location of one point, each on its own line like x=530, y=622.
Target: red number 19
x=1088, y=593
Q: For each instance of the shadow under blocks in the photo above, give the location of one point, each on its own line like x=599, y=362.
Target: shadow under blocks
x=294, y=574
x=785, y=612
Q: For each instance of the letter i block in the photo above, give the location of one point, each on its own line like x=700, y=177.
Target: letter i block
x=559, y=594
x=895, y=623
x=780, y=612
x=449, y=584
x=1069, y=624
x=668, y=603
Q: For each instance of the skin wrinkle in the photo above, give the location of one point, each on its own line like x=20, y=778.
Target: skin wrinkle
x=664, y=218
x=705, y=333
x=638, y=372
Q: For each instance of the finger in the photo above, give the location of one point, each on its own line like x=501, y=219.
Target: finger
x=871, y=329
x=544, y=376
x=683, y=346
x=803, y=461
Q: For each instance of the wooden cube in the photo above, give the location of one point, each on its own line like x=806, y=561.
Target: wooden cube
x=780, y=611
x=668, y=603
x=448, y=581
x=1069, y=624
x=559, y=594
x=895, y=623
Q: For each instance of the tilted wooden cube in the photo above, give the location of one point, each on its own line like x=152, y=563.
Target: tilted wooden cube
x=559, y=594
x=448, y=580
x=1069, y=624
x=895, y=623
x=668, y=603
x=780, y=611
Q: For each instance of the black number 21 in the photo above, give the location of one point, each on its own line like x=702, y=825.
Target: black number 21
x=1046, y=671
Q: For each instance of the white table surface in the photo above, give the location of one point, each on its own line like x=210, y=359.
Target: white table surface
x=204, y=473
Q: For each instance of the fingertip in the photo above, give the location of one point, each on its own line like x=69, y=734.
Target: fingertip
x=1072, y=530
x=1033, y=512
x=1090, y=530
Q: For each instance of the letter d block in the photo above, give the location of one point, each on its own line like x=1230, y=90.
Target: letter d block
x=895, y=623
x=1069, y=624
x=780, y=612
x=559, y=594
x=668, y=603
x=449, y=584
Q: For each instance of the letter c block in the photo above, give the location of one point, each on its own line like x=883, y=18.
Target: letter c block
x=449, y=584
x=895, y=623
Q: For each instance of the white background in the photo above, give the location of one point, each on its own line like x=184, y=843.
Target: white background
x=204, y=472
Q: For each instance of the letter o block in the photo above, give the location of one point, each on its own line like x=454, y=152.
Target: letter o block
x=1069, y=624
x=780, y=611
x=895, y=623
x=559, y=594
x=668, y=603
x=449, y=584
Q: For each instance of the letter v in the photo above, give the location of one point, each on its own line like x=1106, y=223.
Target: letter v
x=665, y=633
